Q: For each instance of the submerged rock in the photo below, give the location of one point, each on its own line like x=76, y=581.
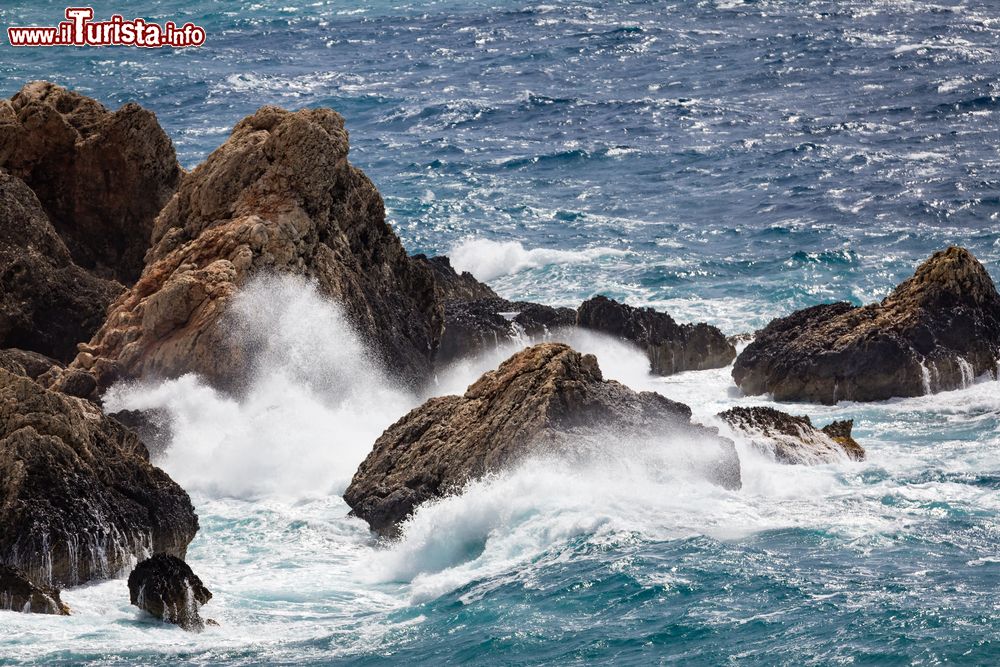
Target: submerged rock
x=48, y=304
x=19, y=594
x=794, y=439
x=937, y=331
x=78, y=497
x=167, y=588
x=547, y=397
x=101, y=176
x=279, y=196
x=671, y=347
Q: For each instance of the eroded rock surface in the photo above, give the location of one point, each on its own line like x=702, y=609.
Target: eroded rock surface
x=78, y=496
x=937, y=331
x=101, y=176
x=547, y=397
x=671, y=347
x=279, y=196
x=19, y=594
x=167, y=588
x=794, y=439
x=48, y=304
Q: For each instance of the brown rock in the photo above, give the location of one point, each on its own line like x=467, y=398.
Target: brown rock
x=547, y=396
x=278, y=196
x=937, y=331
x=795, y=439
x=28, y=364
x=19, y=594
x=671, y=347
x=48, y=304
x=101, y=176
x=78, y=496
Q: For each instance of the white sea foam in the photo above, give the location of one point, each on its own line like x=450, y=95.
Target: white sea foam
x=488, y=259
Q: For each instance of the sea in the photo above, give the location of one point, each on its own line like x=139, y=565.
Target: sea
x=724, y=161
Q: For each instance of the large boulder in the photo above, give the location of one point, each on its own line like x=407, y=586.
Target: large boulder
x=101, y=176
x=167, y=588
x=794, y=439
x=937, y=331
x=671, y=347
x=19, y=594
x=278, y=197
x=547, y=397
x=48, y=304
x=78, y=497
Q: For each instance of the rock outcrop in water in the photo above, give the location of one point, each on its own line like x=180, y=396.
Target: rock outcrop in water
x=278, y=196
x=19, y=594
x=671, y=347
x=78, y=497
x=168, y=589
x=547, y=397
x=476, y=319
x=794, y=439
x=937, y=331
x=48, y=304
x=452, y=286
x=101, y=176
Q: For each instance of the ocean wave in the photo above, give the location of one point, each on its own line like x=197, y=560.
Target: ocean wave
x=488, y=259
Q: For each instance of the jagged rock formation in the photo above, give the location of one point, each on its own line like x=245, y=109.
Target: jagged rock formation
x=547, y=396
x=19, y=594
x=101, y=176
x=471, y=327
x=454, y=287
x=28, y=364
x=167, y=588
x=937, y=331
x=278, y=196
x=78, y=496
x=671, y=347
x=476, y=319
x=794, y=439
x=48, y=304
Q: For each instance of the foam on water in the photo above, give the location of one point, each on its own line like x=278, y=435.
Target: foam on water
x=488, y=260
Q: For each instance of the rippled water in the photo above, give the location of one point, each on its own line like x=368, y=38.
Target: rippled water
x=726, y=161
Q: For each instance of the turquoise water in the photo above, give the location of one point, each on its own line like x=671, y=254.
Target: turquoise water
x=725, y=161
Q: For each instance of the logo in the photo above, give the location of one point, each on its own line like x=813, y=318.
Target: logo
x=80, y=29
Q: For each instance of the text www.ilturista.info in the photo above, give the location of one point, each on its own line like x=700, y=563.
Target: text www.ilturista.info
x=79, y=29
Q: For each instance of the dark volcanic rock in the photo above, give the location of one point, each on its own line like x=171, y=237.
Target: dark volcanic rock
x=938, y=330
x=671, y=347
x=278, y=197
x=19, y=594
x=167, y=588
x=101, y=176
x=78, y=496
x=48, y=304
x=452, y=286
x=795, y=439
x=471, y=327
x=547, y=397
x=153, y=427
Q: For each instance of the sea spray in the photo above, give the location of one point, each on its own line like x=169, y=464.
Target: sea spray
x=314, y=405
x=487, y=260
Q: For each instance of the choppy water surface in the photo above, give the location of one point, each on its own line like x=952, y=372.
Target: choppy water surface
x=726, y=161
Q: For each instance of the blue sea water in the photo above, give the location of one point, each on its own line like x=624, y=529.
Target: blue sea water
x=726, y=161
